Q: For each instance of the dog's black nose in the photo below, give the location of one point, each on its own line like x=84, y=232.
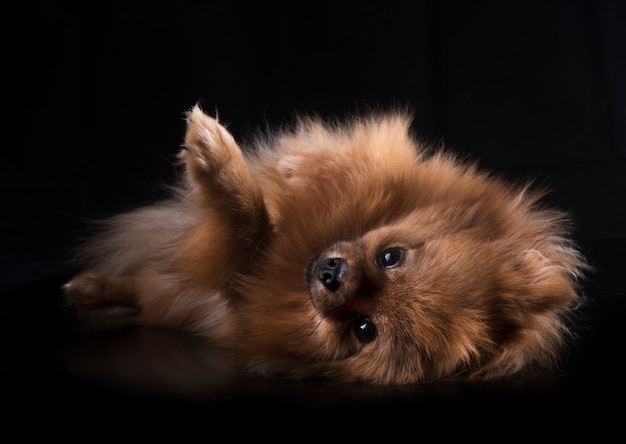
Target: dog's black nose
x=331, y=272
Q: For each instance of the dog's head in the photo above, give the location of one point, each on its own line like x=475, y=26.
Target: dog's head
x=401, y=303
x=388, y=266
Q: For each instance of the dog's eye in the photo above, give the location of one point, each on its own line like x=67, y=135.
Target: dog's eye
x=365, y=330
x=391, y=257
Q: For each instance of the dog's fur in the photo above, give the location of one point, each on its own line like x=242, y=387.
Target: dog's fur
x=346, y=250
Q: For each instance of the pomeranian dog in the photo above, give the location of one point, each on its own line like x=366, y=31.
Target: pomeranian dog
x=345, y=250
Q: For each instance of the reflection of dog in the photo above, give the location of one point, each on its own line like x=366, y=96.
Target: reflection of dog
x=346, y=251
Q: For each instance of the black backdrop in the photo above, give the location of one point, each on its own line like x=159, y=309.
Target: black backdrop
x=95, y=96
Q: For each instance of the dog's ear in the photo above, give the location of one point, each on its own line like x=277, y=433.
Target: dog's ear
x=535, y=311
x=551, y=282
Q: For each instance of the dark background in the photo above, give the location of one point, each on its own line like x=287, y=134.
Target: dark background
x=95, y=97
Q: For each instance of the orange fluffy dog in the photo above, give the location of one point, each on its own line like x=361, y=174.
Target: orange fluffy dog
x=344, y=250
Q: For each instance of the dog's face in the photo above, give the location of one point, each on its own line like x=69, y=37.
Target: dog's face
x=358, y=286
x=424, y=297
x=397, y=303
x=387, y=268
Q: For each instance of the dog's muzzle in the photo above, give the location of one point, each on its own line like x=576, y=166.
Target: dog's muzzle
x=326, y=279
x=331, y=271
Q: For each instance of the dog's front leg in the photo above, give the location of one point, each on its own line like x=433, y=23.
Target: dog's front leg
x=218, y=169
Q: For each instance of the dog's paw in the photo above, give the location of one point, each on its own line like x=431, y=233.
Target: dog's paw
x=220, y=171
x=93, y=291
x=208, y=146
